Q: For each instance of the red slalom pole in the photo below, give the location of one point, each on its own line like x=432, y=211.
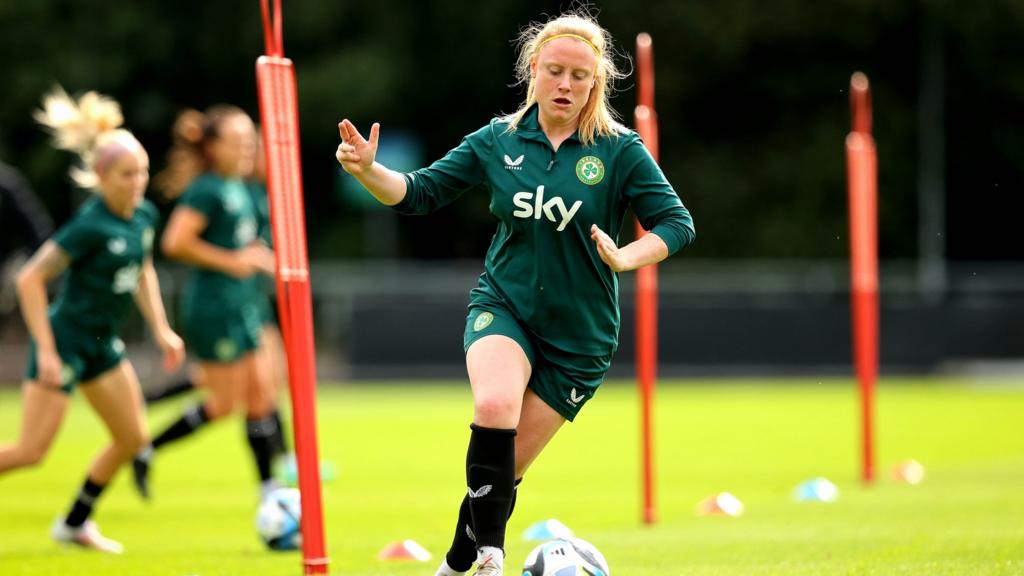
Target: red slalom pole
x=278, y=100
x=646, y=285
x=862, y=183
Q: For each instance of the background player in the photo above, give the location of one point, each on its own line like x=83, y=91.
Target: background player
x=106, y=249
x=214, y=229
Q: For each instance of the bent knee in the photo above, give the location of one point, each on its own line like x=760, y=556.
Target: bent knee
x=260, y=405
x=132, y=444
x=32, y=455
x=496, y=411
x=218, y=406
x=217, y=410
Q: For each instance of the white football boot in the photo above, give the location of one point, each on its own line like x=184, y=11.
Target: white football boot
x=489, y=561
x=445, y=570
x=87, y=536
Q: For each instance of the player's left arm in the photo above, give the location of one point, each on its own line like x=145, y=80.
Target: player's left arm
x=147, y=298
x=657, y=207
x=649, y=249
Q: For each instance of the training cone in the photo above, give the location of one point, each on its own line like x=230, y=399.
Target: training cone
x=287, y=470
x=546, y=530
x=816, y=490
x=404, y=550
x=909, y=471
x=721, y=504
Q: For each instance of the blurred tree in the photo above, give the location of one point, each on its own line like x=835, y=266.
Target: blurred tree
x=751, y=96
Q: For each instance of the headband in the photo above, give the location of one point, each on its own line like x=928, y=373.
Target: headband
x=113, y=150
x=576, y=36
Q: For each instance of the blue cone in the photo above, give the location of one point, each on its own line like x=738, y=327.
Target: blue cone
x=287, y=470
x=546, y=530
x=816, y=490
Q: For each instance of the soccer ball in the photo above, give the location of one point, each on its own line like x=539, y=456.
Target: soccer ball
x=566, y=557
x=278, y=519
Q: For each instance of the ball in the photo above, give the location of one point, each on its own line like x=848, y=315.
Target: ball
x=566, y=557
x=278, y=519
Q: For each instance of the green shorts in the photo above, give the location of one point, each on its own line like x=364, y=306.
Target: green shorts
x=563, y=380
x=222, y=334
x=85, y=355
x=265, y=298
x=267, y=307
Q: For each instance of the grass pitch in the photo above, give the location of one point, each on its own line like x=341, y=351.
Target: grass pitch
x=400, y=449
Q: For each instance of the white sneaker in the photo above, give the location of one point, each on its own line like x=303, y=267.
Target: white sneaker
x=445, y=570
x=87, y=536
x=489, y=561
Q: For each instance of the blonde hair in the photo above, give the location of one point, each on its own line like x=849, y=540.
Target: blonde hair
x=597, y=118
x=88, y=127
x=187, y=158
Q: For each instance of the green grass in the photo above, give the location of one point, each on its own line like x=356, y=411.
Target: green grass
x=400, y=452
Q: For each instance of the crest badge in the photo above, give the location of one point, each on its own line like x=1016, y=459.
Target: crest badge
x=590, y=170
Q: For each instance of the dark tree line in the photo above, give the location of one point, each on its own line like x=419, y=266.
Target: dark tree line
x=751, y=97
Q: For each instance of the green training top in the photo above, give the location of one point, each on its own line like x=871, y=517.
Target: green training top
x=542, y=264
x=261, y=283
x=106, y=253
x=231, y=223
x=261, y=204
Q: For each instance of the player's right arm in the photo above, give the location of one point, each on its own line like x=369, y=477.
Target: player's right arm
x=182, y=241
x=357, y=156
x=147, y=298
x=46, y=264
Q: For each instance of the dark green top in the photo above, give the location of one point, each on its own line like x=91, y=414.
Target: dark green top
x=542, y=264
x=262, y=284
x=231, y=223
x=261, y=204
x=106, y=253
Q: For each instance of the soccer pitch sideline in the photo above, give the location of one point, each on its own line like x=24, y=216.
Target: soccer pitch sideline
x=400, y=451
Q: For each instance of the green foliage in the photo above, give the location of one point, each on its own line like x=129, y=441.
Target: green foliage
x=751, y=97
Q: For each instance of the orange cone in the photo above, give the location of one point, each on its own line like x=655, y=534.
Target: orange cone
x=909, y=471
x=404, y=550
x=720, y=504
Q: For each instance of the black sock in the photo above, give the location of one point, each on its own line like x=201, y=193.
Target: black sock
x=280, y=440
x=261, y=433
x=173, y=388
x=515, y=496
x=462, y=553
x=190, y=421
x=490, y=474
x=82, y=507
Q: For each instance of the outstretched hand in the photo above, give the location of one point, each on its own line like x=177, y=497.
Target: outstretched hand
x=173, y=348
x=355, y=153
x=253, y=259
x=608, y=251
x=49, y=368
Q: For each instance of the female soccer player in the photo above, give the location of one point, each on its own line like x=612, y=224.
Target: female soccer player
x=107, y=250
x=271, y=351
x=544, y=319
x=214, y=228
